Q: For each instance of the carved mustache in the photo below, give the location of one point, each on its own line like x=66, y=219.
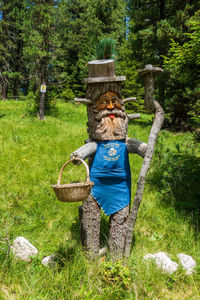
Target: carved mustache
x=107, y=112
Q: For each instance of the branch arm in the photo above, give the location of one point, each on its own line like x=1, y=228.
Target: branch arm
x=83, y=100
x=133, y=116
x=135, y=146
x=129, y=99
x=85, y=151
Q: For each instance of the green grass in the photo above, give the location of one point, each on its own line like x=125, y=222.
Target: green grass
x=32, y=153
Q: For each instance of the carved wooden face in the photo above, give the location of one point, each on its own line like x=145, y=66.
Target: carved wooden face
x=108, y=100
x=106, y=118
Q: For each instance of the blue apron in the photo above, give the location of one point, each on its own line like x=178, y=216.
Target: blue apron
x=110, y=172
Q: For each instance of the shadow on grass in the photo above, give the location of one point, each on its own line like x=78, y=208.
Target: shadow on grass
x=65, y=254
x=177, y=176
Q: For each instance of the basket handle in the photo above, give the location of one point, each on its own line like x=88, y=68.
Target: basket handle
x=79, y=159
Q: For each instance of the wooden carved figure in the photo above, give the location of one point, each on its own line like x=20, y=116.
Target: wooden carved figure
x=107, y=149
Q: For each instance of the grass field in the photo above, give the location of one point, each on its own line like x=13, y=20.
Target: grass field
x=32, y=153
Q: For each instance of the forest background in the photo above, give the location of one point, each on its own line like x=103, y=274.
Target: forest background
x=51, y=41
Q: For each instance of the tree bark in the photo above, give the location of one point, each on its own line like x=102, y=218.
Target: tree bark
x=42, y=106
x=117, y=233
x=85, y=151
x=90, y=225
x=4, y=87
x=16, y=83
x=133, y=116
x=135, y=146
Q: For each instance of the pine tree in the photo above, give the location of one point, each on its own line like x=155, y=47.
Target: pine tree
x=38, y=35
x=152, y=25
x=183, y=89
x=11, y=46
x=80, y=26
x=7, y=45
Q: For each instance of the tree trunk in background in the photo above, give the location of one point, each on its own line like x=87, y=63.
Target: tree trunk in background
x=17, y=65
x=43, y=80
x=16, y=86
x=42, y=106
x=4, y=88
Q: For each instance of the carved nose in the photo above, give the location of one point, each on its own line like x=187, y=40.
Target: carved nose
x=110, y=105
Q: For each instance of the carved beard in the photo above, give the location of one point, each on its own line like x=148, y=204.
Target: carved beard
x=111, y=129
x=101, y=127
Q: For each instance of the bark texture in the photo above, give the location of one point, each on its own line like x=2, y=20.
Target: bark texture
x=85, y=151
x=90, y=225
x=4, y=87
x=133, y=116
x=42, y=106
x=101, y=68
x=135, y=146
x=100, y=128
x=117, y=234
x=102, y=71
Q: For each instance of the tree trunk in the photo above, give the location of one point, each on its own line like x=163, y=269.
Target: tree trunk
x=4, y=88
x=43, y=80
x=42, y=106
x=16, y=86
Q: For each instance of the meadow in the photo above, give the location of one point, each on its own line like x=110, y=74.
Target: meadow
x=32, y=153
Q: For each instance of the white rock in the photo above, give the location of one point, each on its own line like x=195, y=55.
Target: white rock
x=102, y=251
x=49, y=261
x=163, y=262
x=23, y=249
x=187, y=262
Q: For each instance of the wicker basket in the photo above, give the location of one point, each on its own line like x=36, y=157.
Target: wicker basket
x=73, y=192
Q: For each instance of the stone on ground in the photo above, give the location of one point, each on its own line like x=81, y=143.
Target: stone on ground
x=23, y=249
x=187, y=262
x=163, y=262
x=49, y=261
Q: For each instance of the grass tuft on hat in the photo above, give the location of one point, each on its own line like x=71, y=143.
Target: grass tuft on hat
x=106, y=49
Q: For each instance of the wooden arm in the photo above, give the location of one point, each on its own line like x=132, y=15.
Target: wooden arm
x=85, y=151
x=135, y=146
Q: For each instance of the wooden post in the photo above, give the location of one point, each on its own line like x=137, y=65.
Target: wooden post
x=42, y=101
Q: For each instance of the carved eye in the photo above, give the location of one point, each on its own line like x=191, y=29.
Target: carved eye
x=104, y=102
x=115, y=100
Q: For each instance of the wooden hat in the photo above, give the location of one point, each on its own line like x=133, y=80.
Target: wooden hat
x=102, y=70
